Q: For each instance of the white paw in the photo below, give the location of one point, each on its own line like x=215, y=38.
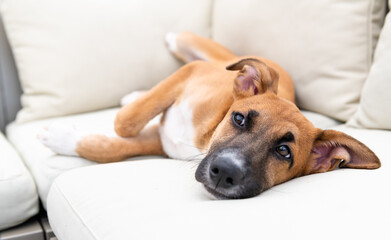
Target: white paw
x=131, y=97
x=171, y=41
x=61, y=139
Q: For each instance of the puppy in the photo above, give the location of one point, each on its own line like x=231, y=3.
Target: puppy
x=237, y=113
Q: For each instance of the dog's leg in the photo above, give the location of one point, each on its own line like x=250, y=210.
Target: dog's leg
x=104, y=149
x=132, y=118
x=99, y=148
x=189, y=47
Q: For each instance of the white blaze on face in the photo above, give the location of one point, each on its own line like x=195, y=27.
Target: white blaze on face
x=177, y=133
x=235, y=157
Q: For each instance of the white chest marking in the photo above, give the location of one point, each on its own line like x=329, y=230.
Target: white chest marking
x=177, y=133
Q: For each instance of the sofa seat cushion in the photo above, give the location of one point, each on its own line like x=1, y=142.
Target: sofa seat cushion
x=160, y=199
x=18, y=195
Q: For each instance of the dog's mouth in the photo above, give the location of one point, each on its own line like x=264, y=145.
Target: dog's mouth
x=222, y=195
x=215, y=193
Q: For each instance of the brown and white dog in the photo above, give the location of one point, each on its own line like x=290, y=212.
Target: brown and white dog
x=237, y=111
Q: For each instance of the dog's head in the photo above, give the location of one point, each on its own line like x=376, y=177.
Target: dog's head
x=265, y=140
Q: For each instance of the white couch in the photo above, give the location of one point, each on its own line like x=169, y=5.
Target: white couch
x=75, y=59
x=18, y=194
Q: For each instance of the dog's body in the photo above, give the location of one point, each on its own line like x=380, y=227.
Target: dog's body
x=246, y=124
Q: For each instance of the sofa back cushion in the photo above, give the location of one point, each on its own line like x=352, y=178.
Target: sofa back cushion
x=82, y=55
x=374, y=110
x=326, y=45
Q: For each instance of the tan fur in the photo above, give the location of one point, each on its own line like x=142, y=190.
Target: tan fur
x=104, y=149
x=211, y=100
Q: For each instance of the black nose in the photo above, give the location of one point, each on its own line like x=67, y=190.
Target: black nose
x=224, y=173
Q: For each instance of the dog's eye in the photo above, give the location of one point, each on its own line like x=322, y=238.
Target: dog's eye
x=238, y=119
x=284, y=151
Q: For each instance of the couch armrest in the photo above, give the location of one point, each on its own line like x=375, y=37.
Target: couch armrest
x=10, y=90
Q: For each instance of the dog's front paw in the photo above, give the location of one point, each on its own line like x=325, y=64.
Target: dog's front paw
x=131, y=97
x=61, y=139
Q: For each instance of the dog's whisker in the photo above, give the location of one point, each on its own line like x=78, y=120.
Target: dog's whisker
x=194, y=157
x=195, y=165
x=190, y=145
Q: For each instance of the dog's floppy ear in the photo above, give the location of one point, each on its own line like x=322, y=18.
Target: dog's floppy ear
x=254, y=77
x=332, y=148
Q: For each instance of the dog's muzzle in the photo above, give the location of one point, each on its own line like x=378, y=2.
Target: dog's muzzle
x=225, y=175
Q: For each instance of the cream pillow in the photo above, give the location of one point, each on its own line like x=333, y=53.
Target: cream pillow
x=375, y=110
x=82, y=55
x=326, y=45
